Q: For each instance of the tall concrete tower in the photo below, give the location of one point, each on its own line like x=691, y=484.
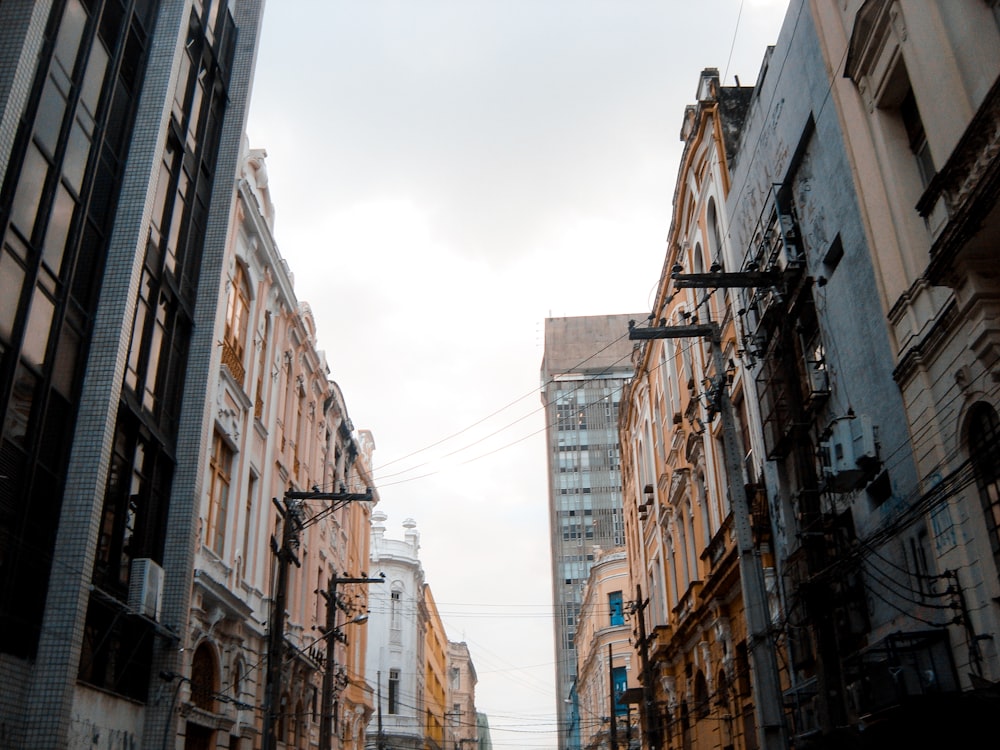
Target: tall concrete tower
x=587, y=362
x=120, y=128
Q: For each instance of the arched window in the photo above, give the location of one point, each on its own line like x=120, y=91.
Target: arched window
x=714, y=235
x=984, y=451
x=722, y=692
x=237, y=315
x=701, y=704
x=239, y=679
x=282, y=724
x=396, y=613
x=672, y=570
x=263, y=371
x=708, y=522
x=204, y=679
x=717, y=260
x=297, y=726
x=692, y=544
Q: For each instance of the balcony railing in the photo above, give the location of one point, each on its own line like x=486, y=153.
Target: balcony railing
x=233, y=362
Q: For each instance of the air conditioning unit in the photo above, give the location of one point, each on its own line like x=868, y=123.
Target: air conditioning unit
x=145, y=587
x=850, y=453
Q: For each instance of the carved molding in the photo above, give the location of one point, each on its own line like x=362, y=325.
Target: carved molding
x=968, y=185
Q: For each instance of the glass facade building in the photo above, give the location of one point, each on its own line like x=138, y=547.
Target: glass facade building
x=586, y=364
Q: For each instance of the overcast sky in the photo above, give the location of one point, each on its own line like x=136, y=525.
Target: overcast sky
x=446, y=175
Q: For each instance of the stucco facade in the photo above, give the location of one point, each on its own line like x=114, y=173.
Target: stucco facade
x=838, y=465
x=917, y=89
x=435, y=675
x=857, y=303
x=607, y=663
x=278, y=424
x=462, y=728
x=397, y=640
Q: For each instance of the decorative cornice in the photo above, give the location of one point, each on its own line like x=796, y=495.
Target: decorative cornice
x=867, y=38
x=969, y=185
x=937, y=335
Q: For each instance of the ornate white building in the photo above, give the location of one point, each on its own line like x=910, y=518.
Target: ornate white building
x=396, y=639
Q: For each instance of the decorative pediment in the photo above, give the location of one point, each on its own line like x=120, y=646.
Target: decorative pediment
x=228, y=414
x=669, y=685
x=868, y=38
x=678, y=486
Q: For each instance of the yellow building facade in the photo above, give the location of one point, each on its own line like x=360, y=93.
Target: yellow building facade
x=435, y=675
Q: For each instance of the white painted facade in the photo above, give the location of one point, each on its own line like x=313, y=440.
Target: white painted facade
x=396, y=633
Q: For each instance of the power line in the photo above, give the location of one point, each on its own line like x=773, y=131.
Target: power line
x=500, y=410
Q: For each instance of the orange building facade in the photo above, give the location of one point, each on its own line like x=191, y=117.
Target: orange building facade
x=690, y=626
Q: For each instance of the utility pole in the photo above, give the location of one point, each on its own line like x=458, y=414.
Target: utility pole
x=291, y=521
x=380, y=738
x=456, y=717
x=332, y=635
x=763, y=660
x=649, y=726
x=294, y=521
x=613, y=736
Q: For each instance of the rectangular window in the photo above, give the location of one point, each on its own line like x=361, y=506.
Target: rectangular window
x=615, y=607
x=619, y=678
x=320, y=600
x=918, y=138
x=393, y=707
x=395, y=617
x=218, y=503
x=28, y=195
x=248, y=530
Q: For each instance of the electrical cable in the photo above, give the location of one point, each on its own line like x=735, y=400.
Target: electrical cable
x=598, y=401
x=542, y=408
x=503, y=408
x=733, y=45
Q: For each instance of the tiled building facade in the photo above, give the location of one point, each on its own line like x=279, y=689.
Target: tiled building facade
x=120, y=126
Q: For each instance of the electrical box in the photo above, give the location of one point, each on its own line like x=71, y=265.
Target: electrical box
x=850, y=453
x=145, y=587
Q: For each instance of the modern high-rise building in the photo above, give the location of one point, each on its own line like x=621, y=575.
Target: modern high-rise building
x=120, y=130
x=586, y=363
